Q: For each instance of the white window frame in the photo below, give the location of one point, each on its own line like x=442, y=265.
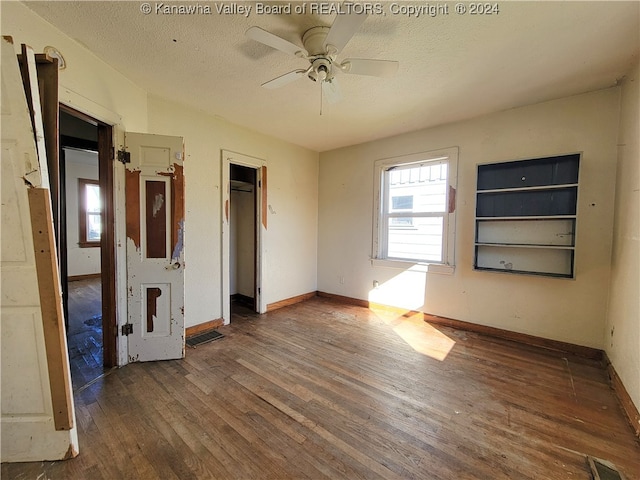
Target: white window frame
x=380, y=192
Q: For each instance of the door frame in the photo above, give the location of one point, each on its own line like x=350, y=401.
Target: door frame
x=108, y=270
x=229, y=158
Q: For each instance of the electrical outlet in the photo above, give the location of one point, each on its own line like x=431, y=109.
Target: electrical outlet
x=341, y=279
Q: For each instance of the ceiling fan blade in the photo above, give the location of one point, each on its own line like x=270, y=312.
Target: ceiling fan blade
x=343, y=28
x=375, y=68
x=331, y=90
x=274, y=41
x=284, y=79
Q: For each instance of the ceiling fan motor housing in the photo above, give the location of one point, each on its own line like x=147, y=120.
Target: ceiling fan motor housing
x=313, y=40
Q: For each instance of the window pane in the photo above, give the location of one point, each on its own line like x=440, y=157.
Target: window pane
x=400, y=222
x=403, y=202
x=423, y=241
x=92, y=197
x=425, y=185
x=93, y=227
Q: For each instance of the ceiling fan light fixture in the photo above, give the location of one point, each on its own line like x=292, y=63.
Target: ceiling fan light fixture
x=321, y=68
x=322, y=73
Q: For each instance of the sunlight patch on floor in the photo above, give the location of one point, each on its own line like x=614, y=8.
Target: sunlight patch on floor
x=424, y=338
x=418, y=334
x=398, y=302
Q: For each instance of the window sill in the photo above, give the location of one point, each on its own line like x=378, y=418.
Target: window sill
x=89, y=244
x=437, y=268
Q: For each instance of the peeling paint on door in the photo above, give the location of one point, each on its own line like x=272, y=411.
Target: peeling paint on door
x=177, y=250
x=158, y=202
x=132, y=196
x=156, y=219
x=152, y=301
x=176, y=172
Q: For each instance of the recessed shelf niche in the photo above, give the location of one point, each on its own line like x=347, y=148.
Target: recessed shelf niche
x=526, y=216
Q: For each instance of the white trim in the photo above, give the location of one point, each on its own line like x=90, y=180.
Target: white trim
x=438, y=268
x=229, y=158
x=84, y=105
x=448, y=155
x=87, y=106
x=120, y=219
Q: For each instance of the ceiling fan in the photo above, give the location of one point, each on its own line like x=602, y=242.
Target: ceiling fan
x=322, y=45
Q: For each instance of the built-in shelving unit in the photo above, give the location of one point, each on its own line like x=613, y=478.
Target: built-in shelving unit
x=526, y=216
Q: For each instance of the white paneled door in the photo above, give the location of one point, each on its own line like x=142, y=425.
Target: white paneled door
x=37, y=418
x=155, y=254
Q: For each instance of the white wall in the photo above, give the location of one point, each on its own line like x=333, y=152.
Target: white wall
x=79, y=164
x=622, y=335
x=290, y=241
x=242, y=243
x=566, y=310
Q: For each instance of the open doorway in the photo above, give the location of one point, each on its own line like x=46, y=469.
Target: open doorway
x=85, y=243
x=242, y=239
x=80, y=178
x=244, y=221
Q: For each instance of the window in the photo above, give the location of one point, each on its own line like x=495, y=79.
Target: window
x=415, y=208
x=90, y=221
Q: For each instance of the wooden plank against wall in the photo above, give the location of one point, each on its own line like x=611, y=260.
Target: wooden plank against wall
x=44, y=244
x=51, y=306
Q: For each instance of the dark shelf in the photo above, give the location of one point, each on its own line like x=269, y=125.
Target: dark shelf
x=559, y=170
x=543, y=203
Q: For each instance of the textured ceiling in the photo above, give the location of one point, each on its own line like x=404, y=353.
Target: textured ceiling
x=452, y=66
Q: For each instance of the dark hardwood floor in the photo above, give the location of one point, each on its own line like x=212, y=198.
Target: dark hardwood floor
x=84, y=336
x=323, y=390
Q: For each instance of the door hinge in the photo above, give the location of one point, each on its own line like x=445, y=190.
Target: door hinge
x=124, y=156
x=127, y=329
